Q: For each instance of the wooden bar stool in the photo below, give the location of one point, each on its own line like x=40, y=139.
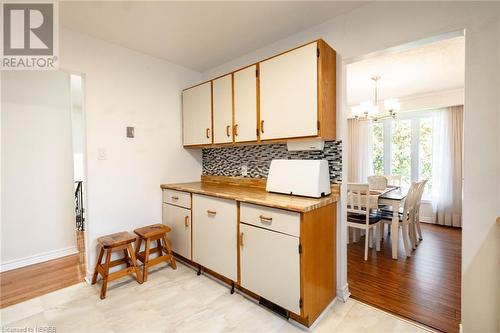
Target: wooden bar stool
x=121, y=241
x=148, y=234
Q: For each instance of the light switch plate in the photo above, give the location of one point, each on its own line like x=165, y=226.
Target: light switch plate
x=101, y=154
x=130, y=132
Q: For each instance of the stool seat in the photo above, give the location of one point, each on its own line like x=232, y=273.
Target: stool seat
x=154, y=233
x=152, y=230
x=118, y=239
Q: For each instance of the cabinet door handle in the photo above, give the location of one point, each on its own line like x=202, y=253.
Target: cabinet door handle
x=211, y=212
x=175, y=198
x=241, y=239
x=265, y=219
x=262, y=126
x=227, y=130
x=207, y=133
x=186, y=221
x=235, y=129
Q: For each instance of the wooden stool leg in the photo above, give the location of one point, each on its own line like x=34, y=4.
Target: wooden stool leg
x=106, y=273
x=160, y=247
x=169, y=252
x=138, y=275
x=126, y=257
x=146, y=260
x=138, y=245
x=99, y=258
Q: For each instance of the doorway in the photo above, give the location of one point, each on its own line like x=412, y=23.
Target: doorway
x=42, y=155
x=410, y=136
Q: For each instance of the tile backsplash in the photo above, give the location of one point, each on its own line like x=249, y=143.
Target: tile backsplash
x=227, y=161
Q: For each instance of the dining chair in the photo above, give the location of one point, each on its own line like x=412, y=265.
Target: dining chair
x=418, y=201
x=377, y=182
x=406, y=218
x=362, y=212
x=393, y=180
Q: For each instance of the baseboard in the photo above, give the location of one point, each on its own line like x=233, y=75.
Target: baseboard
x=343, y=293
x=460, y=329
x=38, y=258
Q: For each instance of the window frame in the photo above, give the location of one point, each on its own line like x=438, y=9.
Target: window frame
x=415, y=117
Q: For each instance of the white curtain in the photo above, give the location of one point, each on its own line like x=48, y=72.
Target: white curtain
x=447, y=166
x=359, y=150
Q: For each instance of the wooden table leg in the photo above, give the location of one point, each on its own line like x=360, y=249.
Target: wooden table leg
x=138, y=275
x=169, y=251
x=99, y=259
x=106, y=273
x=395, y=229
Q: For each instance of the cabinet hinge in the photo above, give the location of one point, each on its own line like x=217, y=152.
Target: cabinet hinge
x=301, y=303
x=317, y=124
x=257, y=131
x=317, y=52
x=300, y=248
x=256, y=73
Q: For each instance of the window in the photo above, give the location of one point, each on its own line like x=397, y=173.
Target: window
x=403, y=146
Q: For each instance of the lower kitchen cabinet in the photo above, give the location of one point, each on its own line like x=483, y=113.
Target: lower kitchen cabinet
x=270, y=265
x=215, y=234
x=179, y=221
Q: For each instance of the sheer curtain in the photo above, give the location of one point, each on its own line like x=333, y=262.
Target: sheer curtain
x=359, y=150
x=447, y=166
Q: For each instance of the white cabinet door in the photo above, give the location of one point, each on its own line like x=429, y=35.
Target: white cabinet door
x=288, y=94
x=214, y=234
x=223, y=109
x=270, y=265
x=245, y=104
x=197, y=114
x=179, y=220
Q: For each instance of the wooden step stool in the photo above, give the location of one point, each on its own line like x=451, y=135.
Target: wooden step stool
x=148, y=234
x=121, y=241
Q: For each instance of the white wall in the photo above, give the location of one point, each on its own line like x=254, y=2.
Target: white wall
x=125, y=88
x=37, y=168
x=377, y=26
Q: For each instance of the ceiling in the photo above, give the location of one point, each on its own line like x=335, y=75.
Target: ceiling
x=197, y=35
x=426, y=69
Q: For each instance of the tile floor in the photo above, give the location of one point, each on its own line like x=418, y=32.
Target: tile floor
x=179, y=301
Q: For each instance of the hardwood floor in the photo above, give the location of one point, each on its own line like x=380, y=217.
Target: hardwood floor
x=28, y=282
x=424, y=288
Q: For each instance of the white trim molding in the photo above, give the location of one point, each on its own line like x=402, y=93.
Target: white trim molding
x=343, y=293
x=37, y=258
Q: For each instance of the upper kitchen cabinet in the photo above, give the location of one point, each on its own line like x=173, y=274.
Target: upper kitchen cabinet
x=290, y=96
x=245, y=104
x=197, y=115
x=297, y=93
x=223, y=109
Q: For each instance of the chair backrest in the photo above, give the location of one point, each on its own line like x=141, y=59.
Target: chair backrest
x=410, y=200
x=420, y=193
x=377, y=182
x=393, y=180
x=359, y=200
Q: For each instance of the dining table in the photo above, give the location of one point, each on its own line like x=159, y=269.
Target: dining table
x=394, y=197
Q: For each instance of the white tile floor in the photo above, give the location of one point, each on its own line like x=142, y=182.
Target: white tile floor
x=179, y=301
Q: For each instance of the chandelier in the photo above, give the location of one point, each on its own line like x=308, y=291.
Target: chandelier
x=370, y=110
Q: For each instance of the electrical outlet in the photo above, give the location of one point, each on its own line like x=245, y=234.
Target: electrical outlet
x=244, y=170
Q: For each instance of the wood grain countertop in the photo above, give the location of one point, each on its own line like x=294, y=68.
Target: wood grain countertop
x=256, y=195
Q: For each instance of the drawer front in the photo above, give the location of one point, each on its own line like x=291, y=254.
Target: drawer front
x=215, y=234
x=179, y=221
x=270, y=266
x=271, y=218
x=177, y=198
